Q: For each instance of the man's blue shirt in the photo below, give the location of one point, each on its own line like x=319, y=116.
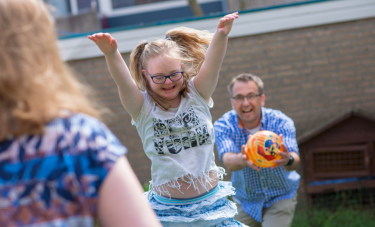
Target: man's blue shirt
x=257, y=190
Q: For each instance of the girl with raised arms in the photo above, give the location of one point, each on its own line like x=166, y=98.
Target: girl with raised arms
x=168, y=95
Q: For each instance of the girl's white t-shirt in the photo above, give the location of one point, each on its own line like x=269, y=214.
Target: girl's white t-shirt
x=179, y=141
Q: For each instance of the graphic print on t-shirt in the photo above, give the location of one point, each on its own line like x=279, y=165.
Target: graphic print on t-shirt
x=183, y=137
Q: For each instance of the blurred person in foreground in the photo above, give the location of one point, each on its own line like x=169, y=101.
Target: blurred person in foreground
x=59, y=165
x=264, y=196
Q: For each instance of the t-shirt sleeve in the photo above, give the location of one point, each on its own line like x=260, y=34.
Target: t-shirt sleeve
x=224, y=138
x=147, y=104
x=196, y=93
x=288, y=131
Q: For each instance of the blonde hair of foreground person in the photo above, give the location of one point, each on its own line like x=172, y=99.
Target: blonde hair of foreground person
x=35, y=85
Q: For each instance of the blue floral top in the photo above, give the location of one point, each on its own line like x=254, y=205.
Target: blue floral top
x=53, y=179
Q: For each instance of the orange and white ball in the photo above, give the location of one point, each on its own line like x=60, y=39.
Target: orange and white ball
x=262, y=148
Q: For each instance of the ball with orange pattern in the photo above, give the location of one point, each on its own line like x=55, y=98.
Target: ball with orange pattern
x=262, y=148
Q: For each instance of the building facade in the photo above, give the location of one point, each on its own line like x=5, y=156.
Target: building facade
x=316, y=60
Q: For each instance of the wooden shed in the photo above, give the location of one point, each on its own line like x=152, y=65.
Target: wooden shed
x=338, y=160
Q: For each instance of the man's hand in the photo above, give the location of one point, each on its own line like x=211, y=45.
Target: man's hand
x=106, y=43
x=285, y=157
x=285, y=154
x=238, y=161
x=246, y=161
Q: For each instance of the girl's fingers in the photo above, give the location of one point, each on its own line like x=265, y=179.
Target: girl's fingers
x=103, y=39
x=114, y=42
x=92, y=38
x=228, y=18
x=233, y=15
x=106, y=35
x=223, y=19
x=101, y=35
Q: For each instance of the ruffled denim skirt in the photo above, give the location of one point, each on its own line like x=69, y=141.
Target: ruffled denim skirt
x=211, y=209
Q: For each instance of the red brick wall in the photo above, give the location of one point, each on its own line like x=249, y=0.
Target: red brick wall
x=310, y=74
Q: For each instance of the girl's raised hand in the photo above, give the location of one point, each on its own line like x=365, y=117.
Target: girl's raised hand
x=225, y=23
x=106, y=43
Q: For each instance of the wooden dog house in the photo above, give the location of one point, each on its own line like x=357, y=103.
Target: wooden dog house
x=339, y=157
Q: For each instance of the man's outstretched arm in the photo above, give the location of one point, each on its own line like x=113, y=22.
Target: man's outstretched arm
x=238, y=161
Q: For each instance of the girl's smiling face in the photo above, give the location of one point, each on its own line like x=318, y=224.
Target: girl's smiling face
x=164, y=66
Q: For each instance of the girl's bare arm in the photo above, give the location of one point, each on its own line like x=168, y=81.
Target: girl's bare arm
x=207, y=78
x=131, y=97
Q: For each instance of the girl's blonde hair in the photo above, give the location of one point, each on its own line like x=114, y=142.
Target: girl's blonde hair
x=184, y=44
x=35, y=85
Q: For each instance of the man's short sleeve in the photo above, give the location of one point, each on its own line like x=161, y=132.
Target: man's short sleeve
x=289, y=135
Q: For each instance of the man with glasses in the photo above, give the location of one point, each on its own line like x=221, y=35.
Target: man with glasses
x=265, y=196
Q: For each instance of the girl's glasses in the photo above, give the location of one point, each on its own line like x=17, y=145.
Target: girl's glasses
x=161, y=79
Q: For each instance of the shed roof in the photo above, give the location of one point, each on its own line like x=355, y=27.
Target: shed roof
x=335, y=121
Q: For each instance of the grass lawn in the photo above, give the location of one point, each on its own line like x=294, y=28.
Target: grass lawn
x=341, y=217
x=322, y=217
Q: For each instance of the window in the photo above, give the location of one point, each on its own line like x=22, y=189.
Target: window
x=62, y=8
x=65, y=8
x=341, y=161
x=86, y=5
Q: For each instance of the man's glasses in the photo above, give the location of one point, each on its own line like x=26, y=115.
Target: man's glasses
x=249, y=97
x=161, y=79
